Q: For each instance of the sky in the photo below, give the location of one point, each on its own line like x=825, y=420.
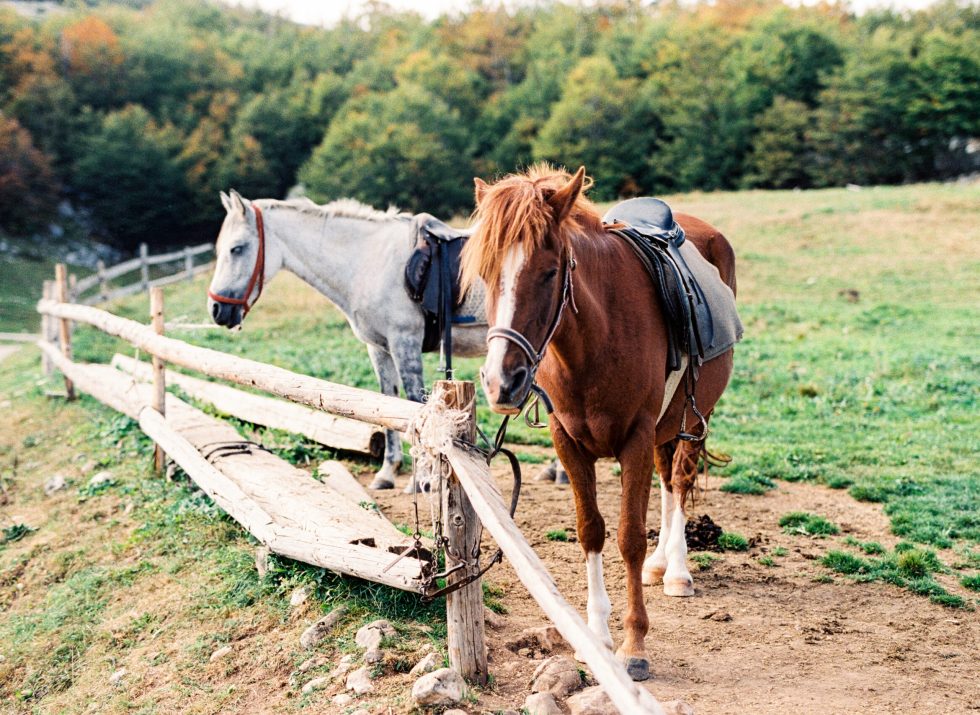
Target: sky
x=327, y=12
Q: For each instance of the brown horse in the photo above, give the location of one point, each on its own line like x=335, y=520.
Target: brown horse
x=572, y=307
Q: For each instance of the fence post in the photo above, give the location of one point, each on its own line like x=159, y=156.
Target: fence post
x=61, y=281
x=144, y=266
x=189, y=263
x=47, y=323
x=159, y=369
x=464, y=608
x=103, y=283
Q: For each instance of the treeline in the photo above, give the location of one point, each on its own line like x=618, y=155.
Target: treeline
x=139, y=113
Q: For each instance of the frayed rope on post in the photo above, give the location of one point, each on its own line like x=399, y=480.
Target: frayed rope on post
x=431, y=432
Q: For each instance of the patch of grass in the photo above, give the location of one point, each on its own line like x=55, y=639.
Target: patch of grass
x=869, y=492
x=766, y=561
x=868, y=547
x=557, y=535
x=747, y=484
x=16, y=532
x=531, y=458
x=730, y=541
x=838, y=482
x=807, y=524
x=492, y=594
x=780, y=551
x=971, y=582
x=703, y=560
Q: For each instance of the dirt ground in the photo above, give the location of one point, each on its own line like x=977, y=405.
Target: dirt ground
x=792, y=644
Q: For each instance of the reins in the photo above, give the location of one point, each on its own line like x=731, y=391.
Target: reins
x=258, y=273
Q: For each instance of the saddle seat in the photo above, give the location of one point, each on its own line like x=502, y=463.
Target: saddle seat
x=647, y=215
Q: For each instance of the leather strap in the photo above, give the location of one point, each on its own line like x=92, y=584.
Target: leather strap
x=258, y=273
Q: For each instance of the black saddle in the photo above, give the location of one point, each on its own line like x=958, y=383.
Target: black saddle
x=432, y=279
x=656, y=238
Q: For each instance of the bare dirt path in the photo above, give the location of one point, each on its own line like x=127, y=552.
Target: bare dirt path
x=796, y=641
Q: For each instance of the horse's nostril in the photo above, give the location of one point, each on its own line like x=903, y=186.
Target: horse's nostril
x=215, y=309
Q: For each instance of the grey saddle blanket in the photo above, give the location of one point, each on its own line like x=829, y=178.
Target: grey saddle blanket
x=698, y=306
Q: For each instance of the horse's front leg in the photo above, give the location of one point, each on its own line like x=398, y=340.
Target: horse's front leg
x=407, y=355
x=637, y=460
x=590, y=526
x=384, y=368
x=684, y=474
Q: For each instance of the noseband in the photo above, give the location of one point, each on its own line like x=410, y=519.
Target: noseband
x=258, y=273
x=536, y=356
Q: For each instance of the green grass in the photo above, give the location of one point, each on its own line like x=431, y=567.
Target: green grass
x=752, y=483
x=557, y=535
x=729, y=541
x=971, y=582
x=703, y=560
x=801, y=522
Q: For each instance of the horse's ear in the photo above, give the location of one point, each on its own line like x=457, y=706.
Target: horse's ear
x=561, y=201
x=480, y=188
x=238, y=203
x=226, y=201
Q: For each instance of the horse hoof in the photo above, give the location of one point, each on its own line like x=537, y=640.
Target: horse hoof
x=382, y=483
x=547, y=474
x=680, y=587
x=653, y=576
x=561, y=477
x=638, y=668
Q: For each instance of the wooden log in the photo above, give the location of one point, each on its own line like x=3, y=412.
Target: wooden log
x=471, y=470
x=83, y=284
x=144, y=266
x=64, y=329
x=19, y=337
x=352, y=402
x=323, y=428
x=282, y=506
x=188, y=264
x=49, y=332
x=460, y=525
x=159, y=368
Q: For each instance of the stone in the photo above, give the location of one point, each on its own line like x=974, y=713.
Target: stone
x=89, y=466
x=544, y=639
x=454, y=711
x=316, y=684
x=262, y=560
x=677, y=707
x=541, y=704
x=221, y=653
x=361, y=711
x=360, y=681
x=342, y=700
x=426, y=665
x=493, y=620
x=55, y=484
x=438, y=688
x=298, y=597
x=591, y=701
x=116, y=678
x=558, y=675
x=313, y=635
x=721, y=616
x=100, y=478
x=344, y=666
x=370, y=636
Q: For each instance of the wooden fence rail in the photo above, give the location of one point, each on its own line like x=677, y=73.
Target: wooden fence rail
x=104, y=274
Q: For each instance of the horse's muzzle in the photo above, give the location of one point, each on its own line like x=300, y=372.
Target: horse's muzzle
x=225, y=314
x=507, y=394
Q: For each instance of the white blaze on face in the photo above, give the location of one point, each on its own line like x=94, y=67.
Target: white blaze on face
x=493, y=366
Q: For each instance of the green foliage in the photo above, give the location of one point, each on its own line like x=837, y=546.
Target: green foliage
x=703, y=560
x=747, y=483
x=801, y=522
x=730, y=541
x=16, y=532
x=557, y=535
x=971, y=582
x=28, y=189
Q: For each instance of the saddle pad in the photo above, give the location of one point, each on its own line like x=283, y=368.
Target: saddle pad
x=720, y=299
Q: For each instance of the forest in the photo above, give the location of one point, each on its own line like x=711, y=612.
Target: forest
x=137, y=113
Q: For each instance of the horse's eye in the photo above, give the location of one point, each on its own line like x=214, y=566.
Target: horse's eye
x=549, y=275
x=237, y=250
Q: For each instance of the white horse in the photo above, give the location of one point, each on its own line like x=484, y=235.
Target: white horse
x=355, y=256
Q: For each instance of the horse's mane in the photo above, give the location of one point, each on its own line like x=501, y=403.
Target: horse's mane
x=514, y=211
x=340, y=208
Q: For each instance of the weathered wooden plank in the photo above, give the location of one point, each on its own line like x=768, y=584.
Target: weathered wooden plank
x=64, y=328
x=350, y=402
x=19, y=337
x=473, y=473
x=321, y=427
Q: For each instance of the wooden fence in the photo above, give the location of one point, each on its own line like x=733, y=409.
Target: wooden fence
x=183, y=269
x=325, y=523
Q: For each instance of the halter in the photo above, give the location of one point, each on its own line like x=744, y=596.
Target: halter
x=536, y=356
x=258, y=273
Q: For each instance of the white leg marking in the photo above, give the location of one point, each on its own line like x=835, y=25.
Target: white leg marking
x=655, y=565
x=677, y=579
x=492, y=366
x=598, y=606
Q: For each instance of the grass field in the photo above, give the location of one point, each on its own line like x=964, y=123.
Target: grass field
x=859, y=371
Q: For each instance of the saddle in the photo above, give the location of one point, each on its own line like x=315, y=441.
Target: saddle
x=657, y=239
x=432, y=279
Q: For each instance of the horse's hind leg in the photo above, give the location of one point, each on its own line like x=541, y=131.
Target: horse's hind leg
x=591, y=529
x=637, y=460
x=407, y=355
x=656, y=564
x=684, y=473
x=384, y=368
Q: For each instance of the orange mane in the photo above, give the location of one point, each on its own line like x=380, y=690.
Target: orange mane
x=514, y=211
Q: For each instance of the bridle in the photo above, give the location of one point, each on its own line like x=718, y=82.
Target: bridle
x=536, y=356
x=258, y=273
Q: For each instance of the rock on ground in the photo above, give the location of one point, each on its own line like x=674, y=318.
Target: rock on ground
x=542, y=704
x=298, y=597
x=55, y=484
x=117, y=677
x=220, y=653
x=342, y=700
x=360, y=681
x=315, y=684
x=262, y=560
x=544, y=639
x=103, y=477
x=591, y=701
x=321, y=629
x=426, y=665
x=440, y=687
x=369, y=637
x=677, y=707
x=559, y=675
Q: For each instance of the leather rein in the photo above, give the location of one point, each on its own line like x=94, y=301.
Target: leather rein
x=536, y=356
x=258, y=273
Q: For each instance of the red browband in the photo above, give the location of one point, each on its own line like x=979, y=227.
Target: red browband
x=258, y=273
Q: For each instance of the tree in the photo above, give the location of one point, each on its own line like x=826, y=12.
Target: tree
x=779, y=151
x=93, y=59
x=404, y=147
x=28, y=189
